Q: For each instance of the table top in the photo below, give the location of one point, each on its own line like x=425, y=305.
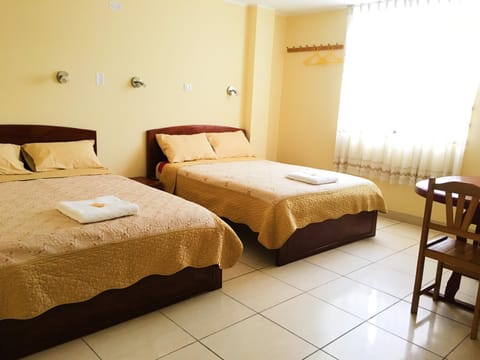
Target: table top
x=422, y=186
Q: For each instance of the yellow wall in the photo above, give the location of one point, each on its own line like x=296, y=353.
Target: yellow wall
x=471, y=163
x=310, y=107
x=277, y=71
x=310, y=96
x=264, y=77
x=167, y=43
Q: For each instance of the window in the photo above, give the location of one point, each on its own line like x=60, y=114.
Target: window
x=411, y=73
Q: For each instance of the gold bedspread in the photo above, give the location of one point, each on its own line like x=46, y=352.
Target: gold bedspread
x=48, y=259
x=257, y=193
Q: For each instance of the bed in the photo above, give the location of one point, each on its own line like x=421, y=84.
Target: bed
x=289, y=237
x=60, y=279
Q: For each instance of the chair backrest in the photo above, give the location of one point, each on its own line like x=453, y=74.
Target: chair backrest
x=461, y=208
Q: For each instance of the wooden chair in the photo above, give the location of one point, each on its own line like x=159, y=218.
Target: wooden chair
x=457, y=248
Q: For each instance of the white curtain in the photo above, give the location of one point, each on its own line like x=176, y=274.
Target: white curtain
x=411, y=72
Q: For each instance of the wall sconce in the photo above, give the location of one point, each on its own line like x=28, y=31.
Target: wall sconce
x=137, y=82
x=231, y=91
x=63, y=77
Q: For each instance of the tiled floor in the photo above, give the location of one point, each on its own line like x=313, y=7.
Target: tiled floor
x=349, y=303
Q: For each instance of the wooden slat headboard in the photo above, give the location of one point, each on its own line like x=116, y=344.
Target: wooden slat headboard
x=21, y=134
x=155, y=154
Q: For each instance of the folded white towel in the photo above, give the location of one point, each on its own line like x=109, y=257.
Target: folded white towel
x=312, y=177
x=99, y=209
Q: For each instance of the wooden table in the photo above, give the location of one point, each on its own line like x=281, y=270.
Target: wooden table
x=421, y=188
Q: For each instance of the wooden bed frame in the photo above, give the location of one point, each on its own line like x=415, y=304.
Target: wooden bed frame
x=310, y=240
x=70, y=321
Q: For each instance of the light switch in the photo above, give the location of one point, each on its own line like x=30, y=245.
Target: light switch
x=100, y=78
x=188, y=87
x=116, y=6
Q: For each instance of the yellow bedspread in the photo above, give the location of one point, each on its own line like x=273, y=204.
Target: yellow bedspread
x=48, y=259
x=257, y=193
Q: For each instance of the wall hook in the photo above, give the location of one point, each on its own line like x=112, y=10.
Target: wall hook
x=63, y=77
x=231, y=90
x=137, y=82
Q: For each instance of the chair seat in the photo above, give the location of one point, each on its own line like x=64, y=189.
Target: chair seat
x=456, y=255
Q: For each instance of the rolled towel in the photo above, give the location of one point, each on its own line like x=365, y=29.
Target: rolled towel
x=312, y=177
x=99, y=209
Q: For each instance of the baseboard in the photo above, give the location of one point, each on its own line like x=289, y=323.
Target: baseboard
x=410, y=219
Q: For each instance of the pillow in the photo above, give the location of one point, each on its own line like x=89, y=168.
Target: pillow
x=10, y=163
x=230, y=144
x=180, y=148
x=61, y=155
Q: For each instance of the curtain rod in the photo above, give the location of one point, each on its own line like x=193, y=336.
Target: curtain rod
x=320, y=47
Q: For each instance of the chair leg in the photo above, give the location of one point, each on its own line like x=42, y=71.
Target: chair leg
x=438, y=281
x=418, y=284
x=476, y=316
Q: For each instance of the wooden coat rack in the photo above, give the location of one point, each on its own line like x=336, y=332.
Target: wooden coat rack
x=321, y=47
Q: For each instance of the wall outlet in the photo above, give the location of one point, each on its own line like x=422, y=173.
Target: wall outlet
x=187, y=87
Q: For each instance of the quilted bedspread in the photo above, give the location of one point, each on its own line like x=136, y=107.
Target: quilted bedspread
x=259, y=194
x=47, y=259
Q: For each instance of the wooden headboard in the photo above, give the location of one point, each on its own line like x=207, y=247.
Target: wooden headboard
x=155, y=154
x=21, y=134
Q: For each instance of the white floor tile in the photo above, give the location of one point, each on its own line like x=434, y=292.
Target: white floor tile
x=384, y=222
x=320, y=355
x=353, y=297
x=338, y=261
x=467, y=350
x=237, y=270
x=465, y=297
x=368, y=342
x=73, y=350
x=412, y=250
x=469, y=286
x=312, y=319
x=408, y=265
x=301, y=274
x=367, y=249
x=195, y=351
x=405, y=230
x=207, y=313
x=450, y=311
x=428, y=330
x=387, y=280
x=258, y=290
x=393, y=241
x=257, y=338
x=146, y=337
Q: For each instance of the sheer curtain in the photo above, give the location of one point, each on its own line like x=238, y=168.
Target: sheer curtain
x=411, y=72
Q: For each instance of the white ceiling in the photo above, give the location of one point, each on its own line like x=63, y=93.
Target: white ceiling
x=301, y=6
